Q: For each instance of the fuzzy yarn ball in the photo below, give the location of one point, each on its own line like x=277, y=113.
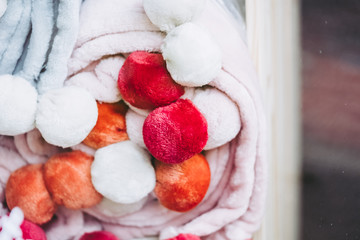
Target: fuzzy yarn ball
x=99, y=235
x=18, y=103
x=66, y=116
x=110, y=126
x=122, y=172
x=26, y=189
x=67, y=177
x=192, y=57
x=176, y=132
x=181, y=187
x=145, y=83
x=167, y=14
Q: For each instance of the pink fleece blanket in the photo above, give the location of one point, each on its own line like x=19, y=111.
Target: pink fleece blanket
x=234, y=204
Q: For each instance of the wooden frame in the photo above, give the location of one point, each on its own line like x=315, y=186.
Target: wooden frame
x=273, y=39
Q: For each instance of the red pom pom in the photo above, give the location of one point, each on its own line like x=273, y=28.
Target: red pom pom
x=176, y=132
x=145, y=83
x=99, y=235
x=185, y=237
x=32, y=231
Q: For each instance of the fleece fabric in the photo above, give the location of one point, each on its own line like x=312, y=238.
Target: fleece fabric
x=3, y=7
x=67, y=23
x=34, y=56
x=234, y=204
x=16, y=24
x=36, y=40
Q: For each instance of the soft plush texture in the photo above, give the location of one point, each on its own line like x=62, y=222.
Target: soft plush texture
x=100, y=79
x=66, y=116
x=192, y=56
x=17, y=29
x=176, y=132
x=185, y=237
x=32, y=231
x=70, y=224
x=26, y=189
x=109, y=211
x=145, y=83
x=10, y=225
x=221, y=114
x=21, y=143
x=99, y=235
x=67, y=178
x=67, y=23
x=27, y=29
x=18, y=103
x=34, y=57
x=9, y=22
x=234, y=204
x=134, y=126
x=3, y=6
x=181, y=187
x=110, y=126
x=122, y=172
x=167, y=14
x=37, y=145
x=67, y=224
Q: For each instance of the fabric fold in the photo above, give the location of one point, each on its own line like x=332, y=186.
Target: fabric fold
x=234, y=204
x=108, y=31
x=15, y=42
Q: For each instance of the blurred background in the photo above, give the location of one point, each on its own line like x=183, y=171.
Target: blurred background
x=331, y=119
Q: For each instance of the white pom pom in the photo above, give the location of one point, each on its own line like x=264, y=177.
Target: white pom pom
x=114, y=209
x=167, y=14
x=134, y=126
x=222, y=116
x=11, y=225
x=17, y=216
x=192, y=57
x=3, y=6
x=122, y=172
x=18, y=102
x=66, y=116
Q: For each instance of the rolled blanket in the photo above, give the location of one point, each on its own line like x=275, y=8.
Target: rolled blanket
x=234, y=204
x=109, y=31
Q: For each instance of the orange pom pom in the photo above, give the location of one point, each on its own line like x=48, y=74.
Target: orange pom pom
x=110, y=127
x=26, y=189
x=181, y=187
x=67, y=177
